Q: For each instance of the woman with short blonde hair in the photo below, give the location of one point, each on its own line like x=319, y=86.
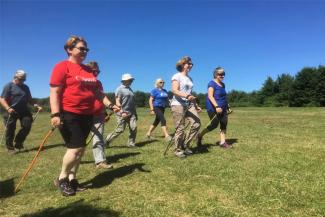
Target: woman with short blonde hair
x=158, y=102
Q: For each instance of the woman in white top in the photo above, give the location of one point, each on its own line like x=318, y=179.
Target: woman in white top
x=183, y=106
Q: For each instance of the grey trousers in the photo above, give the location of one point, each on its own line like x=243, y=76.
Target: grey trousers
x=97, y=131
x=121, y=124
x=180, y=114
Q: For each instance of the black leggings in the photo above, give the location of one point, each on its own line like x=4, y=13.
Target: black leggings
x=159, y=111
x=218, y=118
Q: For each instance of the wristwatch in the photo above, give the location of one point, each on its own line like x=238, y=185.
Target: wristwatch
x=57, y=114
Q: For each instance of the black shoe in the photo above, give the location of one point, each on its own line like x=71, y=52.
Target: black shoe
x=76, y=186
x=19, y=147
x=65, y=188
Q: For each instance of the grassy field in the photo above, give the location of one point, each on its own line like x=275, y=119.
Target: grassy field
x=276, y=168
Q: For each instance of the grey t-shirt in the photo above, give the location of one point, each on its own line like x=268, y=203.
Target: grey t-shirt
x=127, y=98
x=185, y=86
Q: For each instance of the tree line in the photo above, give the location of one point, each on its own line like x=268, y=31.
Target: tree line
x=306, y=88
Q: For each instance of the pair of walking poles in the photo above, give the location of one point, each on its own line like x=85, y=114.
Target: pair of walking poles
x=41, y=147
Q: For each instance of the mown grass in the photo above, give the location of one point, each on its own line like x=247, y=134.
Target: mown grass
x=277, y=168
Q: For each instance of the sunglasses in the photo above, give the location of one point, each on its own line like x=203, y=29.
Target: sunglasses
x=221, y=74
x=83, y=49
x=161, y=82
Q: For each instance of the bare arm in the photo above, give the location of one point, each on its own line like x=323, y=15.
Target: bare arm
x=109, y=104
x=55, y=93
x=177, y=92
x=4, y=104
x=212, y=100
x=151, y=105
x=118, y=102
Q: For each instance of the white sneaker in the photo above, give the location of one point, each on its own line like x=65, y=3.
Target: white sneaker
x=180, y=153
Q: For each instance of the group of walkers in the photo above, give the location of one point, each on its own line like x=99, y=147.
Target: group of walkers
x=78, y=108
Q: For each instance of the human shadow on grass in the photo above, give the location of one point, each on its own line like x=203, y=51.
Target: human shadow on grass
x=7, y=188
x=202, y=149
x=137, y=145
x=117, y=157
x=146, y=142
x=232, y=141
x=75, y=209
x=114, y=158
x=108, y=177
x=45, y=147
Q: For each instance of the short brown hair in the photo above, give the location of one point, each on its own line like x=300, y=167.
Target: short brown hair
x=180, y=64
x=92, y=65
x=72, y=41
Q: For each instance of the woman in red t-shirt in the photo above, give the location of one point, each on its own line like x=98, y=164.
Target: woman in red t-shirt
x=73, y=92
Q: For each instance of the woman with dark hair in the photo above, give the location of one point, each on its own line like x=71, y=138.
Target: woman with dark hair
x=158, y=101
x=183, y=106
x=217, y=105
x=97, y=129
x=74, y=89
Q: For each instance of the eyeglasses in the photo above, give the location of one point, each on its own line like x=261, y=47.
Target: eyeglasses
x=191, y=64
x=83, y=49
x=161, y=82
x=221, y=74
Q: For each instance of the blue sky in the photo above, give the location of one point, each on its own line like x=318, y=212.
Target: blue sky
x=250, y=39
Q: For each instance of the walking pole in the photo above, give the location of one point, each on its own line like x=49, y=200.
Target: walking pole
x=35, y=116
x=5, y=130
x=101, y=124
x=34, y=159
x=117, y=126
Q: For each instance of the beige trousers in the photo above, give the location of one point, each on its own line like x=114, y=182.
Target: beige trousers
x=180, y=114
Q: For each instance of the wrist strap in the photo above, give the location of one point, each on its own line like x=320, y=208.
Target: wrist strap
x=110, y=106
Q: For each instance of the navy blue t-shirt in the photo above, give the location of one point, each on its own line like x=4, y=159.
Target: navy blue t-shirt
x=219, y=94
x=160, y=97
x=17, y=96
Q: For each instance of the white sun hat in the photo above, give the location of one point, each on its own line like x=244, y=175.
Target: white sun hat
x=126, y=77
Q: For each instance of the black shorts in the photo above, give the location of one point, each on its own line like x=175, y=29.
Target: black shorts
x=75, y=129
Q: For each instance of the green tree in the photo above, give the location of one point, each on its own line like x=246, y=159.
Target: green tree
x=320, y=89
x=284, y=84
x=304, y=91
x=268, y=91
x=141, y=99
